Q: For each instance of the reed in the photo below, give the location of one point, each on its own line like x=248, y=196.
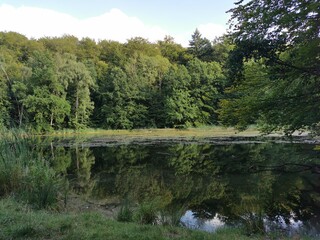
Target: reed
x=24, y=173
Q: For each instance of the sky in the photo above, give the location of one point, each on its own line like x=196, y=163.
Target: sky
x=117, y=20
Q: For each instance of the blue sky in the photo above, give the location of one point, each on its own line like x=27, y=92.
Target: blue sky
x=117, y=19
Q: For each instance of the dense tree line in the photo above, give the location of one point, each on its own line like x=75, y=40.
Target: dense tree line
x=264, y=72
x=65, y=82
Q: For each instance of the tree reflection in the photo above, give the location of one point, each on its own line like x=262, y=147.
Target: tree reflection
x=236, y=182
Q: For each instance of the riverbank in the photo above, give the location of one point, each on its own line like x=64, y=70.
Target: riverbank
x=18, y=221
x=209, y=134
x=160, y=132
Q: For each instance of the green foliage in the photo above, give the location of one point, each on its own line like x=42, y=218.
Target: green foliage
x=221, y=48
x=64, y=44
x=174, y=52
x=295, y=21
x=200, y=47
x=45, y=97
x=142, y=46
x=178, y=106
x=147, y=212
x=77, y=81
x=269, y=62
x=207, y=83
x=13, y=77
x=278, y=91
x=65, y=82
x=16, y=154
x=116, y=100
x=125, y=213
x=41, y=186
x=180, y=109
x=24, y=173
x=112, y=52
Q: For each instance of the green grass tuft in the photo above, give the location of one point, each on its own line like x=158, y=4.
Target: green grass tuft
x=24, y=173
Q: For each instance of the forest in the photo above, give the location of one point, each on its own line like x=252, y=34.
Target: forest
x=265, y=72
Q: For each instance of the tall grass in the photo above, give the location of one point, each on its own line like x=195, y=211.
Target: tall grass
x=24, y=173
x=15, y=158
x=146, y=213
x=125, y=213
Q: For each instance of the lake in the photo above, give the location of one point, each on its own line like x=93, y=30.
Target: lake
x=206, y=185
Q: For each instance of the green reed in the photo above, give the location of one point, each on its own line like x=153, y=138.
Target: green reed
x=24, y=173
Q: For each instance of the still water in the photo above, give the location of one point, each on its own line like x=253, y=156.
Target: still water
x=268, y=187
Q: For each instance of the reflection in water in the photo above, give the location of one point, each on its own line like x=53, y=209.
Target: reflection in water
x=190, y=221
x=263, y=187
x=291, y=228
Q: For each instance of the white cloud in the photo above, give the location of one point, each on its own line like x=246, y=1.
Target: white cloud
x=113, y=25
x=211, y=30
x=38, y=22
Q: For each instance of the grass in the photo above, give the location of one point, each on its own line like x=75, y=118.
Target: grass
x=206, y=131
x=17, y=221
x=24, y=173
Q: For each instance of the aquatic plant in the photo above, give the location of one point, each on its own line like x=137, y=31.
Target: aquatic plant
x=24, y=173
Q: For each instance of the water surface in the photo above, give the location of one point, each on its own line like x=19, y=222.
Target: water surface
x=271, y=187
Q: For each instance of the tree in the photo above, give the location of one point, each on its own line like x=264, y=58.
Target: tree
x=295, y=21
x=112, y=52
x=173, y=51
x=64, y=44
x=87, y=49
x=15, y=52
x=4, y=113
x=242, y=107
x=127, y=94
x=8, y=70
x=114, y=94
x=284, y=36
x=179, y=107
x=206, y=85
x=46, y=99
x=141, y=45
x=221, y=48
x=47, y=109
x=200, y=47
x=78, y=82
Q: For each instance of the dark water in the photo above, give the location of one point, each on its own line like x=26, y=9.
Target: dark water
x=268, y=187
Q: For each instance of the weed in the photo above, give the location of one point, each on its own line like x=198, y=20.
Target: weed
x=24, y=173
x=146, y=213
x=41, y=186
x=125, y=213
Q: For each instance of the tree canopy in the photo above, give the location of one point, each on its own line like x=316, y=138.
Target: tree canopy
x=65, y=82
x=274, y=66
x=265, y=71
